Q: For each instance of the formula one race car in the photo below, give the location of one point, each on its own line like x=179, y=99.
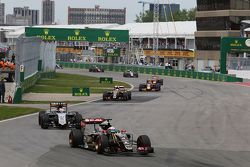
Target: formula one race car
x=119, y=93
x=98, y=135
x=130, y=74
x=151, y=85
x=58, y=116
x=156, y=79
x=95, y=69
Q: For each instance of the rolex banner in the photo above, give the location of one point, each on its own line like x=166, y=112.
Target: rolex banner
x=110, y=52
x=89, y=34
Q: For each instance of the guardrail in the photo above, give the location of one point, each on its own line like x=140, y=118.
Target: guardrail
x=156, y=71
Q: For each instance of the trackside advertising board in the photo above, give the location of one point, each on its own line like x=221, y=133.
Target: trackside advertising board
x=89, y=34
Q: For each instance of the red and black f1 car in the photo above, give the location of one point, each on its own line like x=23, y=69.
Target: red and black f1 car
x=151, y=85
x=103, y=138
x=95, y=69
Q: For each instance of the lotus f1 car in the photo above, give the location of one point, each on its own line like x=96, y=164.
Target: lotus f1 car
x=95, y=69
x=130, y=74
x=103, y=138
x=151, y=85
x=119, y=93
x=59, y=116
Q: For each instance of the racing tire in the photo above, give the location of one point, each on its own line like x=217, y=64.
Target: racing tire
x=104, y=96
x=140, y=87
x=160, y=81
x=76, y=138
x=90, y=70
x=158, y=87
x=102, y=70
x=40, y=115
x=101, y=143
x=79, y=119
x=143, y=141
x=124, y=74
x=136, y=75
x=45, y=121
x=129, y=96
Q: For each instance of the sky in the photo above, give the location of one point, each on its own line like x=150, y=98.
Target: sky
x=133, y=7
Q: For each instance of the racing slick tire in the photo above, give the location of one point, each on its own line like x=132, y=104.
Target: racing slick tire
x=136, y=75
x=144, y=141
x=101, y=143
x=124, y=74
x=141, y=87
x=104, y=96
x=78, y=120
x=158, y=87
x=102, y=70
x=40, y=115
x=45, y=121
x=76, y=138
x=160, y=81
x=129, y=96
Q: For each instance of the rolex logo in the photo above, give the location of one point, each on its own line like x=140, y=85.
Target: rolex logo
x=77, y=32
x=107, y=33
x=236, y=41
x=46, y=31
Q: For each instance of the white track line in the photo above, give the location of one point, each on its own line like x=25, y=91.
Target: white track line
x=24, y=116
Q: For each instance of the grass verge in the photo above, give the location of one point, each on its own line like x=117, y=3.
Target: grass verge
x=63, y=83
x=7, y=112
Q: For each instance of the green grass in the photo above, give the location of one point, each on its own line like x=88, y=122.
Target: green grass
x=63, y=83
x=47, y=102
x=11, y=112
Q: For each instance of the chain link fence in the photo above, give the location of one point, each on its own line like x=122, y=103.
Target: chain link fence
x=28, y=51
x=238, y=63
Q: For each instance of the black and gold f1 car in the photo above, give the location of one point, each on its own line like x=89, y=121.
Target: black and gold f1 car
x=151, y=85
x=59, y=117
x=105, y=139
x=118, y=93
x=95, y=69
x=130, y=74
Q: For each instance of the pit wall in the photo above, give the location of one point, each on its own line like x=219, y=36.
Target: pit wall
x=156, y=71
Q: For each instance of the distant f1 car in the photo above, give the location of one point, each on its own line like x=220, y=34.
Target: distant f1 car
x=118, y=93
x=151, y=85
x=59, y=117
x=103, y=138
x=95, y=69
x=130, y=74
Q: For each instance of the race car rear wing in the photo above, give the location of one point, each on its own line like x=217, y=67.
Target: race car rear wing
x=58, y=105
x=95, y=120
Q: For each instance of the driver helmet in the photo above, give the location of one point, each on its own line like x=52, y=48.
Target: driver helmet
x=105, y=125
x=112, y=129
x=61, y=110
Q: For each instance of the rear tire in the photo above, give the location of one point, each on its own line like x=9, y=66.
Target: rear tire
x=143, y=141
x=101, y=144
x=40, y=115
x=45, y=121
x=140, y=87
x=104, y=96
x=78, y=120
x=75, y=138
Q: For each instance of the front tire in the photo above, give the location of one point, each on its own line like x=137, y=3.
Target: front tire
x=101, y=144
x=45, y=121
x=143, y=141
x=79, y=119
x=75, y=138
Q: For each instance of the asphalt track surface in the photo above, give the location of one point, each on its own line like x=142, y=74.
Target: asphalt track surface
x=191, y=123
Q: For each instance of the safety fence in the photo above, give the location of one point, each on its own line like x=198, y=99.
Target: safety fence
x=35, y=59
x=156, y=71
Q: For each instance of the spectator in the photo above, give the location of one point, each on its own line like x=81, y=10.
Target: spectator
x=2, y=90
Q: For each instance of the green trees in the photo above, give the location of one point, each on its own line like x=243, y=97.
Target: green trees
x=183, y=15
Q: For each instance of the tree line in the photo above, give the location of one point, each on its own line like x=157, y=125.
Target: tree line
x=182, y=15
